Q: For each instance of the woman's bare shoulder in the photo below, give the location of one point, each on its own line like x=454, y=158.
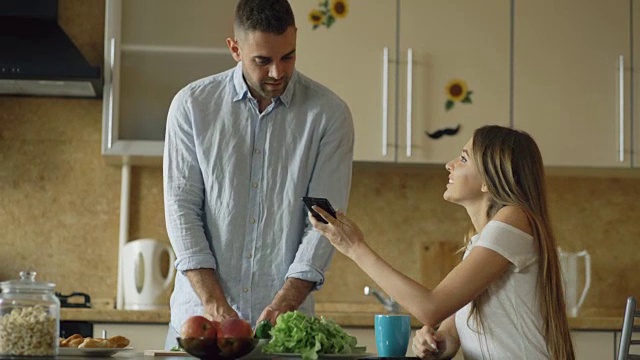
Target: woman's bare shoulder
x=514, y=216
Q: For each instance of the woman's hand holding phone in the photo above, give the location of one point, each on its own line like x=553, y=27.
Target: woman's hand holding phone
x=341, y=231
x=323, y=203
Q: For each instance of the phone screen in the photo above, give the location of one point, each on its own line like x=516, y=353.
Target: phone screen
x=322, y=203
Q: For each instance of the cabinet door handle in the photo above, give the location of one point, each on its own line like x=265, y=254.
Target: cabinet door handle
x=409, y=97
x=621, y=107
x=385, y=98
x=112, y=63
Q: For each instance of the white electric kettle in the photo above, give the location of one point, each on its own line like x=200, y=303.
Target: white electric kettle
x=143, y=279
x=571, y=276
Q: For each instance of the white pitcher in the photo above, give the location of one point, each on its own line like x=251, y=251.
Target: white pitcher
x=570, y=276
x=143, y=281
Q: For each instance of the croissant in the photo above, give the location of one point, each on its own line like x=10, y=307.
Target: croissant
x=119, y=341
x=77, y=341
x=96, y=343
x=67, y=342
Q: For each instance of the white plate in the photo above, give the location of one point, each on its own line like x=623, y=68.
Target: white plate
x=323, y=356
x=101, y=352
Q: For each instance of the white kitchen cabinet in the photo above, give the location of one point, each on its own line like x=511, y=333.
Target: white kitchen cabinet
x=468, y=40
x=142, y=336
x=390, y=60
x=349, y=58
x=152, y=49
x=572, y=80
x=593, y=345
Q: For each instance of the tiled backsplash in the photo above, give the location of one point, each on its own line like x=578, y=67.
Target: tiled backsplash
x=401, y=207
x=59, y=202
x=59, y=210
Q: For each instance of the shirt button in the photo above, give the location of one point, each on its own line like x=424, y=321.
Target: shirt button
x=249, y=256
x=255, y=185
x=253, y=221
x=245, y=290
x=256, y=151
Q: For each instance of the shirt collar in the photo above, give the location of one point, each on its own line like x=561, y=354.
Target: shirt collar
x=242, y=90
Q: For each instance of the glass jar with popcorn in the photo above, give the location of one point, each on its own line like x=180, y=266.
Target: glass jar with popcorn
x=29, y=317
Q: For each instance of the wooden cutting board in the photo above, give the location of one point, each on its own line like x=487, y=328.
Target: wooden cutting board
x=164, y=353
x=437, y=259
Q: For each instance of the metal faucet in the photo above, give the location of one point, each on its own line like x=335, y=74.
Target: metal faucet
x=389, y=304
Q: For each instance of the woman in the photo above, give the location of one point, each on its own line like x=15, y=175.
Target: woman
x=505, y=299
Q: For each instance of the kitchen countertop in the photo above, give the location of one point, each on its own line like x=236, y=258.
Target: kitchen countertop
x=131, y=355
x=347, y=315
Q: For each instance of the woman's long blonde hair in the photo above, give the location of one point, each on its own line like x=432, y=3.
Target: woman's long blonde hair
x=510, y=164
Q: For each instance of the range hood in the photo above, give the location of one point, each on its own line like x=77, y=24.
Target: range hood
x=37, y=58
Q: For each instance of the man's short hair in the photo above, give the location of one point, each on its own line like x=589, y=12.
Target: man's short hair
x=268, y=16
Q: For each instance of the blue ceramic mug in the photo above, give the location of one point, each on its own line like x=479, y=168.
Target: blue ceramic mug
x=392, y=334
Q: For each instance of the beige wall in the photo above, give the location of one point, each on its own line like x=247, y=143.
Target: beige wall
x=59, y=201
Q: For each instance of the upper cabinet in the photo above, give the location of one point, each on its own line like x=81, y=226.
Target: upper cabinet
x=153, y=48
x=572, y=62
x=418, y=75
x=409, y=68
x=354, y=57
x=443, y=44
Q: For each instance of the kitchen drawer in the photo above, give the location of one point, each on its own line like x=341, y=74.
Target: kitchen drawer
x=594, y=345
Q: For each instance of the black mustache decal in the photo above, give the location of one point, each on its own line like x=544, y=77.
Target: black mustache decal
x=446, y=131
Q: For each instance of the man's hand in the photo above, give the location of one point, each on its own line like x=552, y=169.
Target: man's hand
x=205, y=283
x=219, y=312
x=271, y=314
x=293, y=293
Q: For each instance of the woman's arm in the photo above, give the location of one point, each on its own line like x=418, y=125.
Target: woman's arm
x=465, y=282
x=431, y=306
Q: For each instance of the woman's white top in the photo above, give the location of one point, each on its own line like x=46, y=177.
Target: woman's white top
x=511, y=319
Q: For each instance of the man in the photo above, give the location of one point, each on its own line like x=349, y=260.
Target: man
x=242, y=148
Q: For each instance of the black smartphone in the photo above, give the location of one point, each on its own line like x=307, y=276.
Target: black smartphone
x=323, y=203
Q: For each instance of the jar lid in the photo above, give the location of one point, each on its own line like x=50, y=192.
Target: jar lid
x=27, y=282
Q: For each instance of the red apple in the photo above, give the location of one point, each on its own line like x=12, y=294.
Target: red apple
x=235, y=328
x=199, y=326
x=216, y=325
x=235, y=337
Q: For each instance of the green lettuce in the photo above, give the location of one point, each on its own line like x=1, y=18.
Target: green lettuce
x=309, y=336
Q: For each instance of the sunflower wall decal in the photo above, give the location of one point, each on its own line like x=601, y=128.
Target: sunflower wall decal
x=457, y=91
x=327, y=12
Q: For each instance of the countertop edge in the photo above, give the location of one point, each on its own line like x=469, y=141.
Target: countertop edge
x=592, y=320
x=116, y=316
